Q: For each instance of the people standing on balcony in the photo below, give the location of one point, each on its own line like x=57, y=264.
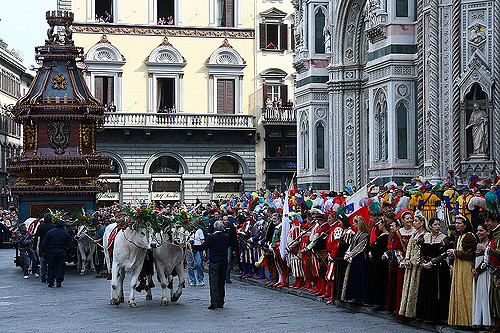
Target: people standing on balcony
x=289, y=104
x=170, y=20
x=159, y=21
x=112, y=107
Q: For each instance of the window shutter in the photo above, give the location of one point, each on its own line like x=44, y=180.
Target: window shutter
x=111, y=98
x=264, y=94
x=292, y=37
x=262, y=31
x=220, y=96
x=98, y=88
x=230, y=96
x=229, y=13
x=284, y=94
x=284, y=36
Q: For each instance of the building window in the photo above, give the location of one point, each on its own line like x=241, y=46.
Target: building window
x=225, y=72
x=104, y=63
x=10, y=84
x=305, y=144
x=319, y=36
x=226, y=165
x=165, y=68
x=166, y=95
x=166, y=12
x=273, y=36
x=320, y=146
x=166, y=165
x=225, y=13
x=104, y=89
x=381, y=123
x=104, y=11
x=225, y=96
x=401, y=8
x=402, y=117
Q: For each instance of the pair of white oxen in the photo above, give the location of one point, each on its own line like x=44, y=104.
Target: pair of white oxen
x=129, y=252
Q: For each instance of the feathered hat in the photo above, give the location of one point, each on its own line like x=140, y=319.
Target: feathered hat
x=473, y=180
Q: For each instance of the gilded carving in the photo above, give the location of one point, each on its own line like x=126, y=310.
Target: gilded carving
x=59, y=82
x=30, y=136
x=58, y=133
x=86, y=135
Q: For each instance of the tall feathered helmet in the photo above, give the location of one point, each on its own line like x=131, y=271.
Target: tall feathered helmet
x=451, y=180
x=473, y=180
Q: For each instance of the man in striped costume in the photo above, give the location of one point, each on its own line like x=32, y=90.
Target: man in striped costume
x=450, y=197
x=293, y=247
x=462, y=203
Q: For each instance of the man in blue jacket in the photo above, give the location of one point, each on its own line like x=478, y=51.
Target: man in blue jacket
x=55, y=246
x=217, y=244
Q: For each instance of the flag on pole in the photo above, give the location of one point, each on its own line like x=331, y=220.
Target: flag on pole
x=276, y=193
x=285, y=229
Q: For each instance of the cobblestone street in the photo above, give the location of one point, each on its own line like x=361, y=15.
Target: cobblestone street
x=82, y=305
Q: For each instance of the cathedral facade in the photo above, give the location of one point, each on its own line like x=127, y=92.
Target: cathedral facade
x=396, y=89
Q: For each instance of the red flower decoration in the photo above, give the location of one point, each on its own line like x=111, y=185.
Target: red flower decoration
x=186, y=221
x=138, y=210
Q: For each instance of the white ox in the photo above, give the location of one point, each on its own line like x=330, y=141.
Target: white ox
x=86, y=250
x=129, y=250
x=169, y=257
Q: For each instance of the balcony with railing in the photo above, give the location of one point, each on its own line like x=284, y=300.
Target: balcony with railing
x=279, y=115
x=178, y=120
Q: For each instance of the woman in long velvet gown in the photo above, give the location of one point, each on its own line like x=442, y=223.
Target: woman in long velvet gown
x=340, y=263
x=356, y=256
x=379, y=268
x=434, y=288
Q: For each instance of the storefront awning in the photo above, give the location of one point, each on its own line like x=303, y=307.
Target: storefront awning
x=228, y=180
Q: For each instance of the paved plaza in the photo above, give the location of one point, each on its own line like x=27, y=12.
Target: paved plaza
x=82, y=305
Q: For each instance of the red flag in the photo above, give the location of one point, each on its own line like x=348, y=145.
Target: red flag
x=363, y=211
x=276, y=193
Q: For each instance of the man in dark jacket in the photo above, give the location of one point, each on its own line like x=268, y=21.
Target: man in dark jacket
x=55, y=246
x=218, y=244
x=45, y=225
x=99, y=235
x=4, y=231
x=230, y=230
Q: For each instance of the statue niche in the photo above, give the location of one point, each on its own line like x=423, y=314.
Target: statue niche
x=477, y=123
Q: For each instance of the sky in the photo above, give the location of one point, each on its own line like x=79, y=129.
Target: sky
x=23, y=25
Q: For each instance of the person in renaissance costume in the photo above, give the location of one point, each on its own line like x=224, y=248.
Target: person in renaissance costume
x=398, y=243
x=481, y=314
x=450, y=197
x=409, y=295
x=379, y=269
x=492, y=259
x=460, y=313
x=281, y=264
x=429, y=202
x=319, y=254
x=332, y=245
x=356, y=256
x=434, y=285
x=462, y=203
x=293, y=247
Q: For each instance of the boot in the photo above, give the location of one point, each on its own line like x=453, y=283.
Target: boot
x=299, y=283
x=307, y=284
x=274, y=275
x=322, y=287
x=327, y=290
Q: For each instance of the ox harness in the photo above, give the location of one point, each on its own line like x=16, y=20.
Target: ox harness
x=111, y=241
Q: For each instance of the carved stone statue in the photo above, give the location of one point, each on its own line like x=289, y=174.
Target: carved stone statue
x=478, y=122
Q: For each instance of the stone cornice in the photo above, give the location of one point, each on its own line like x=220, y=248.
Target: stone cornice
x=158, y=30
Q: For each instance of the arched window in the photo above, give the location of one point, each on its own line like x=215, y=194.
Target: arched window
x=114, y=168
x=402, y=119
x=226, y=165
x=319, y=37
x=320, y=146
x=166, y=165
